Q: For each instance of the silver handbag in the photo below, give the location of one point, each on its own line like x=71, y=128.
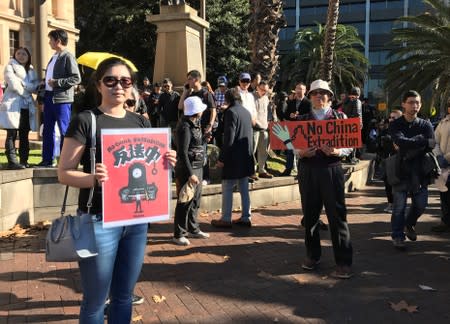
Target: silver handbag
x=72, y=238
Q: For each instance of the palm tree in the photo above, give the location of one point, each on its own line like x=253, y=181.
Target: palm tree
x=348, y=61
x=266, y=19
x=422, y=56
x=326, y=68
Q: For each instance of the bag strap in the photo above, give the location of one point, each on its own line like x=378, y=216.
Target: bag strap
x=92, y=151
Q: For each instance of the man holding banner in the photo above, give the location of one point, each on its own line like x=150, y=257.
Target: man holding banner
x=322, y=137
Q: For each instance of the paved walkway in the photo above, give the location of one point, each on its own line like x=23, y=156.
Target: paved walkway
x=252, y=276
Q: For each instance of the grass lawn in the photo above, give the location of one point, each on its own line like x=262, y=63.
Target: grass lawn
x=35, y=157
x=275, y=164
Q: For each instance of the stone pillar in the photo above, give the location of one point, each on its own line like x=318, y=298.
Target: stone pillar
x=178, y=46
x=60, y=10
x=4, y=6
x=41, y=20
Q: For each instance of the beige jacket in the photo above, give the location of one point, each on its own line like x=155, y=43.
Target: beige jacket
x=442, y=135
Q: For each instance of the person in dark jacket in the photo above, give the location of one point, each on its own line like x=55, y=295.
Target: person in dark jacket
x=385, y=149
x=414, y=137
x=297, y=106
x=61, y=76
x=189, y=168
x=168, y=107
x=236, y=160
x=352, y=107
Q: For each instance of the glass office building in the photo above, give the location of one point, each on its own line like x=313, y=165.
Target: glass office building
x=374, y=21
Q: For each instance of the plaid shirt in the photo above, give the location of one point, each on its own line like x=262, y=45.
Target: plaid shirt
x=220, y=98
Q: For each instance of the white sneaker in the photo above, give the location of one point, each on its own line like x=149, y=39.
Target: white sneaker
x=388, y=208
x=200, y=234
x=181, y=241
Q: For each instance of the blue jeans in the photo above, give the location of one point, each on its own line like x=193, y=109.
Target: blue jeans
x=58, y=113
x=399, y=220
x=227, y=198
x=113, y=272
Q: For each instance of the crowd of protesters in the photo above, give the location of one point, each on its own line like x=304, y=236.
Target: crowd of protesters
x=410, y=155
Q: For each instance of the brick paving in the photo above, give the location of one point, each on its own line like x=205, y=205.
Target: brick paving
x=252, y=275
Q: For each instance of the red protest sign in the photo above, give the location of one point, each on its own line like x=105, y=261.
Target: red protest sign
x=336, y=133
x=138, y=188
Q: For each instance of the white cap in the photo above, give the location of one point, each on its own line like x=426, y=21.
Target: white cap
x=320, y=84
x=193, y=105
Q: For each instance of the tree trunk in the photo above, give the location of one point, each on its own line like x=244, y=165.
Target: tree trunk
x=266, y=19
x=326, y=68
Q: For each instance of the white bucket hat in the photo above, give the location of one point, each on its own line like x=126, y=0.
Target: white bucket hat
x=320, y=84
x=193, y=105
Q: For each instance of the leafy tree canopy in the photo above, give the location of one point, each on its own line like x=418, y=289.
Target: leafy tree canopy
x=227, y=41
x=421, y=59
x=120, y=27
x=349, y=63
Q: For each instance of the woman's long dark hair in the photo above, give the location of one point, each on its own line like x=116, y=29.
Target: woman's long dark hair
x=28, y=63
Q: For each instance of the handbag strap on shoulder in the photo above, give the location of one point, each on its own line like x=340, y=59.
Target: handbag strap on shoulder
x=92, y=152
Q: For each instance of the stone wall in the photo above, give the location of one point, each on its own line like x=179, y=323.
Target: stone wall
x=33, y=195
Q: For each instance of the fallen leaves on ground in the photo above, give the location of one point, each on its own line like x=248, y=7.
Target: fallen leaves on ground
x=19, y=231
x=427, y=288
x=263, y=274
x=158, y=299
x=403, y=305
x=370, y=273
x=137, y=318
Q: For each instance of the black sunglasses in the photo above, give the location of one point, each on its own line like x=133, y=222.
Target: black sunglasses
x=244, y=81
x=130, y=102
x=111, y=82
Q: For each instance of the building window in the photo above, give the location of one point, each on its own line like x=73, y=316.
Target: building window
x=313, y=11
x=361, y=27
x=289, y=12
x=379, y=57
x=13, y=42
x=381, y=27
x=386, y=5
x=287, y=33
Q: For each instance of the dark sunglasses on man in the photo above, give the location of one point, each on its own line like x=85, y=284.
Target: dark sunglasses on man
x=111, y=82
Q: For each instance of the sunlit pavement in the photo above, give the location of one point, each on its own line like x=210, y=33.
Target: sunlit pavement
x=253, y=275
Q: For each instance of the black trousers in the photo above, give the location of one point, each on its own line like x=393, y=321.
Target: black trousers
x=185, y=220
x=24, y=143
x=445, y=206
x=324, y=187
x=388, y=191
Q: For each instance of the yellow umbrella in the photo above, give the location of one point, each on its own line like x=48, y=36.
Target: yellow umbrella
x=93, y=59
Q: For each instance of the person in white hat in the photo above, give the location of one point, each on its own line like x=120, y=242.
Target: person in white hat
x=321, y=183
x=189, y=168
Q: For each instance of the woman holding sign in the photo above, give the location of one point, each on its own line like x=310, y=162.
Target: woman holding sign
x=321, y=183
x=115, y=270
